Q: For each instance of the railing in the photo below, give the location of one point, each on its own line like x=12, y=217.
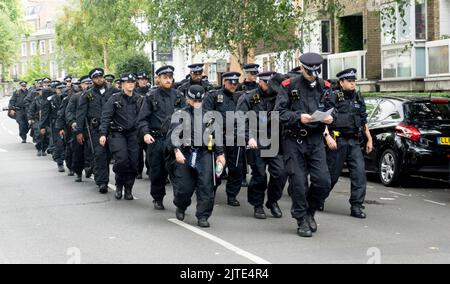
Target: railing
x=341, y=61
x=437, y=58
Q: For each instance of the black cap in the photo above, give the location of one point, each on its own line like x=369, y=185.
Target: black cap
x=198, y=67
x=142, y=75
x=96, y=72
x=118, y=81
x=110, y=77
x=312, y=62
x=251, y=68
x=349, y=74
x=266, y=76
x=196, y=92
x=54, y=84
x=60, y=86
x=233, y=77
x=128, y=77
x=68, y=78
x=46, y=80
x=165, y=70
x=85, y=79
x=23, y=83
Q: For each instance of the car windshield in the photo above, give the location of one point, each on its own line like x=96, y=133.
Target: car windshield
x=429, y=111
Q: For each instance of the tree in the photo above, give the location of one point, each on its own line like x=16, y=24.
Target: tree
x=37, y=69
x=135, y=63
x=100, y=32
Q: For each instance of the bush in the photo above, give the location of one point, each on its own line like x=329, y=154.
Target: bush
x=134, y=63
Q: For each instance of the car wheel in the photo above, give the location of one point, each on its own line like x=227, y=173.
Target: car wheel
x=389, y=169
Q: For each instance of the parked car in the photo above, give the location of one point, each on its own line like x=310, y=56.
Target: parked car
x=411, y=135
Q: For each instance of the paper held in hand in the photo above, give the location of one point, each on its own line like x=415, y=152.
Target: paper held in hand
x=320, y=115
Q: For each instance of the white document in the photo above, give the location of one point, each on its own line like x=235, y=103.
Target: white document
x=320, y=115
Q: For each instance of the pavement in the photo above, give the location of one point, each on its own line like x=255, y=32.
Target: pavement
x=45, y=217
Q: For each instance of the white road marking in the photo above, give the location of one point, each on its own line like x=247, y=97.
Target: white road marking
x=401, y=194
x=225, y=244
x=3, y=151
x=386, y=198
x=434, y=202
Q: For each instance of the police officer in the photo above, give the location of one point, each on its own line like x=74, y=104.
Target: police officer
x=82, y=153
x=344, y=138
x=17, y=107
x=259, y=100
x=251, y=72
x=118, y=84
x=142, y=89
x=195, y=78
x=303, y=143
x=35, y=119
x=154, y=123
x=109, y=78
x=223, y=101
x=69, y=87
x=88, y=114
x=49, y=117
x=120, y=125
x=194, y=163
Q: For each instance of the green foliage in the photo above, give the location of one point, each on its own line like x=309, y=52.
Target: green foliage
x=134, y=63
x=37, y=69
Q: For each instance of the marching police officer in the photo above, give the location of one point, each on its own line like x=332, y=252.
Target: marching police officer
x=17, y=106
x=49, y=117
x=142, y=89
x=82, y=153
x=119, y=123
x=223, y=101
x=88, y=114
x=259, y=100
x=35, y=119
x=344, y=138
x=251, y=72
x=195, y=78
x=143, y=85
x=157, y=111
x=303, y=143
x=118, y=84
x=109, y=78
x=194, y=164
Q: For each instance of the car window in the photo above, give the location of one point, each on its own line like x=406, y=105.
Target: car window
x=429, y=111
x=371, y=104
x=386, y=111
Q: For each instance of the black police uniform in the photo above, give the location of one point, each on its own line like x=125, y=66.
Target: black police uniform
x=303, y=145
x=196, y=174
x=35, y=116
x=348, y=131
x=184, y=88
x=159, y=106
x=83, y=157
x=142, y=91
x=88, y=114
x=120, y=124
x=49, y=117
x=259, y=101
x=67, y=139
x=18, y=104
x=225, y=101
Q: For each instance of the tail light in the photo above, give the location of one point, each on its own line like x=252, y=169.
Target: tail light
x=440, y=101
x=408, y=132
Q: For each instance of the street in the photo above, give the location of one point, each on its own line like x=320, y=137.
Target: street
x=45, y=217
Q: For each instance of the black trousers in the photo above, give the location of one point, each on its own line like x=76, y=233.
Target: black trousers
x=302, y=157
x=102, y=158
x=349, y=150
x=125, y=151
x=235, y=177
x=59, y=151
x=82, y=157
x=143, y=160
x=258, y=183
x=188, y=180
x=69, y=150
x=42, y=141
x=159, y=173
x=21, y=119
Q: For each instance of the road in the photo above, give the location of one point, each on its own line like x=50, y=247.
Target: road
x=46, y=218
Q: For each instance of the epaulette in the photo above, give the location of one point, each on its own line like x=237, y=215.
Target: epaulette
x=327, y=84
x=286, y=83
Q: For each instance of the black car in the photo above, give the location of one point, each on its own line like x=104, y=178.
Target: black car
x=411, y=135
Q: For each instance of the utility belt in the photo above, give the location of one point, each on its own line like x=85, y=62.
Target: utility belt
x=156, y=134
x=190, y=149
x=120, y=129
x=345, y=135
x=94, y=123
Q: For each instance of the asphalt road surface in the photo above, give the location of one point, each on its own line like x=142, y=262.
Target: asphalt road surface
x=47, y=218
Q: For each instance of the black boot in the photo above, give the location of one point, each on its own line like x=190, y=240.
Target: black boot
x=139, y=176
x=357, y=212
x=39, y=153
x=103, y=189
x=128, y=194
x=61, y=169
x=44, y=154
x=158, y=204
x=78, y=178
x=203, y=223
x=259, y=213
x=303, y=228
x=275, y=209
x=119, y=192
x=312, y=222
x=71, y=173
x=88, y=172
x=180, y=214
x=232, y=201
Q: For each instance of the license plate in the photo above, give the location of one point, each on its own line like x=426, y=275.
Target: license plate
x=444, y=141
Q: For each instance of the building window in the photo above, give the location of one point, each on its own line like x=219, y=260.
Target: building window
x=421, y=23
x=24, y=68
x=33, y=48
x=420, y=62
x=42, y=47
x=53, y=69
x=438, y=58
x=396, y=63
x=51, y=46
x=212, y=72
x=326, y=36
x=24, y=49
